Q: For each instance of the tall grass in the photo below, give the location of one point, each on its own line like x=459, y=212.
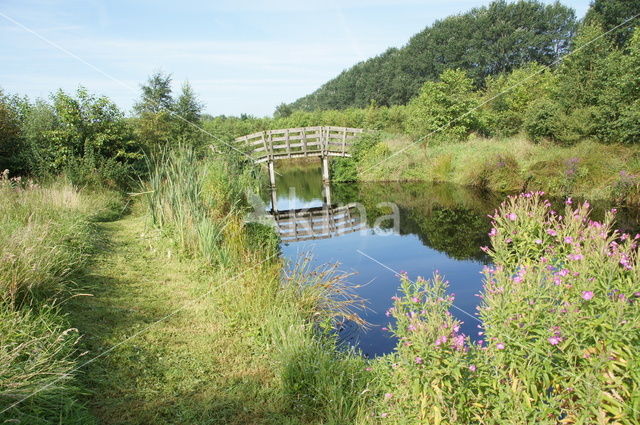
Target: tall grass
x=288, y=317
x=587, y=169
x=193, y=200
x=46, y=235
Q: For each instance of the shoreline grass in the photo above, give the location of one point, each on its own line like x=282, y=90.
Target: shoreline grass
x=588, y=169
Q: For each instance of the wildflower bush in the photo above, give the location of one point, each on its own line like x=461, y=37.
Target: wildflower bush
x=558, y=326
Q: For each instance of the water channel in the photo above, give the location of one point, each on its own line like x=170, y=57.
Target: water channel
x=437, y=227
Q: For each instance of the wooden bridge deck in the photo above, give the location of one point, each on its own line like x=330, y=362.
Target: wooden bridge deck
x=318, y=223
x=322, y=141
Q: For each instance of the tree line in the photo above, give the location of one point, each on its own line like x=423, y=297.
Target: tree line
x=88, y=138
x=483, y=42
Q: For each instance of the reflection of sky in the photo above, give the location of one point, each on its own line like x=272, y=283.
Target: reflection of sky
x=399, y=252
x=287, y=203
x=402, y=253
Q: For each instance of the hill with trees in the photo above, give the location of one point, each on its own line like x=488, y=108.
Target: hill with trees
x=484, y=41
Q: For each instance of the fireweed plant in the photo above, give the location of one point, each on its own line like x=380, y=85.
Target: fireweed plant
x=558, y=327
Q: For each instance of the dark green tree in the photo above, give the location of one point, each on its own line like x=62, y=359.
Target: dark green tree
x=484, y=41
x=610, y=14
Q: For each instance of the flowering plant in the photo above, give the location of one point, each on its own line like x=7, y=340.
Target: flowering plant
x=559, y=328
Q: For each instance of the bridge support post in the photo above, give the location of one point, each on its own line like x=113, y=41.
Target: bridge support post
x=325, y=169
x=274, y=200
x=327, y=193
x=272, y=173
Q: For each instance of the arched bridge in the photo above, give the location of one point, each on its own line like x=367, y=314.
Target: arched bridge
x=323, y=142
x=299, y=142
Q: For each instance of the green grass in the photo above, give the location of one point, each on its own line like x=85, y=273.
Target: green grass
x=47, y=235
x=587, y=169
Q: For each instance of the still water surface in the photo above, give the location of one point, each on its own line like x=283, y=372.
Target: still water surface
x=441, y=228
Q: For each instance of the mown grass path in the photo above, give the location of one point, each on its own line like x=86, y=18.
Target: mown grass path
x=189, y=368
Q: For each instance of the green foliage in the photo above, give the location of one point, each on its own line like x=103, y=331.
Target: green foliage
x=610, y=14
x=156, y=95
x=444, y=107
x=188, y=111
x=365, y=148
x=542, y=120
x=485, y=41
x=559, y=325
x=509, y=97
x=11, y=149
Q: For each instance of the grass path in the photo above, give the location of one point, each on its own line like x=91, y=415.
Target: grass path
x=191, y=368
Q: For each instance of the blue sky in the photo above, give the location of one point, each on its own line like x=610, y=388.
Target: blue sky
x=239, y=56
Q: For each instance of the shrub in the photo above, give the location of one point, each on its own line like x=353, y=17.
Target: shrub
x=560, y=318
x=542, y=119
x=445, y=107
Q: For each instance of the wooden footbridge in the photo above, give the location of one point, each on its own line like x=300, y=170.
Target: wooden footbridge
x=322, y=142
x=318, y=223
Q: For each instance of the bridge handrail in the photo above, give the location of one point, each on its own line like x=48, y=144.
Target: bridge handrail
x=299, y=142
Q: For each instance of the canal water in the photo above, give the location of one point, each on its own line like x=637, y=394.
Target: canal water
x=433, y=227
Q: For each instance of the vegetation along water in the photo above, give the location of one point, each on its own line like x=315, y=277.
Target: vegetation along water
x=150, y=275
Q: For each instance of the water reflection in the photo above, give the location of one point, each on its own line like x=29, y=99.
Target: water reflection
x=441, y=227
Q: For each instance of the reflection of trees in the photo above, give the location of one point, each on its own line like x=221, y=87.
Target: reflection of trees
x=447, y=218
x=307, y=179
x=458, y=232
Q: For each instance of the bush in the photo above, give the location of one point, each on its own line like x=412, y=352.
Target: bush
x=560, y=320
x=444, y=109
x=542, y=119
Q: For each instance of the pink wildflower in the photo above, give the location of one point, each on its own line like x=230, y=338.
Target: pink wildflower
x=500, y=346
x=419, y=360
x=472, y=368
x=554, y=340
x=587, y=295
x=512, y=216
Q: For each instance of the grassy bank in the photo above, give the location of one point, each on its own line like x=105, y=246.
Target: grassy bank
x=221, y=336
x=47, y=235
x=587, y=169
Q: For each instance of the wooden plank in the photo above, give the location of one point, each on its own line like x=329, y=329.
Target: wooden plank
x=288, y=144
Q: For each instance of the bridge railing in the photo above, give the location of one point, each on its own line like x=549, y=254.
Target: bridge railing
x=299, y=142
